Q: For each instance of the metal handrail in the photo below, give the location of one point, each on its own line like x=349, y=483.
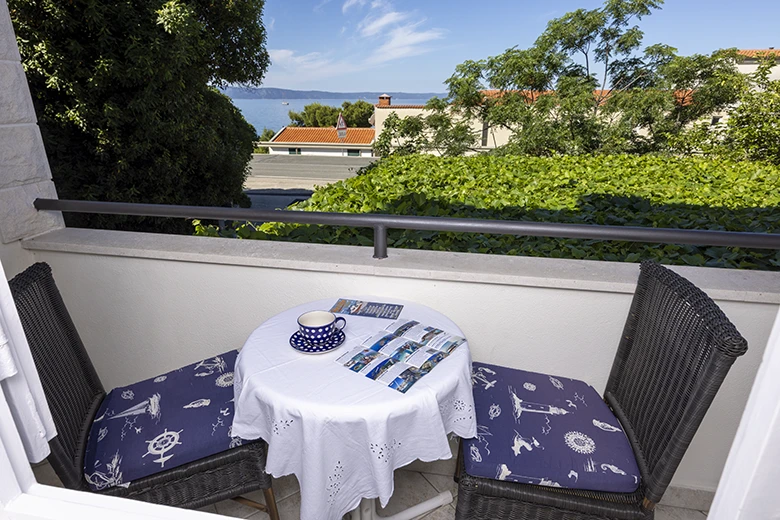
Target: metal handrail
x=381, y=223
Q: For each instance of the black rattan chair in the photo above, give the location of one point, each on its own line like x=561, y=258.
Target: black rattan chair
x=74, y=393
x=676, y=349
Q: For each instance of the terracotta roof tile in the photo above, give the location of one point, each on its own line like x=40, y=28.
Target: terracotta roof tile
x=295, y=134
x=683, y=97
x=756, y=53
x=400, y=106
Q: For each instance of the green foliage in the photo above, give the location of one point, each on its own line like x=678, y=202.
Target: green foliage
x=753, y=127
x=355, y=114
x=435, y=131
x=619, y=190
x=266, y=135
x=586, y=86
x=752, y=130
x=126, y=99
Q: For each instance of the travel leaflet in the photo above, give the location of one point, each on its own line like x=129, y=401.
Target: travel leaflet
x=430, y=337
x=397, y=361
x=388, y=311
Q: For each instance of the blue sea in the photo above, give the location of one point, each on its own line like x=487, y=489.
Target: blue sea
x=271, y=113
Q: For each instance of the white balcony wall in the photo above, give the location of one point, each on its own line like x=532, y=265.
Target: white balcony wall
x=145, y=304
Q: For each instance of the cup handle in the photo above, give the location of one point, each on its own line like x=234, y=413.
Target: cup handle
x=343, y=323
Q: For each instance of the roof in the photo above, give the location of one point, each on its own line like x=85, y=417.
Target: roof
x=530, y=95
x=682, y=97
x=297, y=134
x=400, y=106
x=757, y=53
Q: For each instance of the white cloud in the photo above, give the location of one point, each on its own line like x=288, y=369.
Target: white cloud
x=406, y=41
x=270, y=24
x=384, y=35
x=286, y=58
x=288, y=68
x=352, y=3
x=371, y=26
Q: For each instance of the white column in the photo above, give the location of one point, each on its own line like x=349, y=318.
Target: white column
x=24, y=168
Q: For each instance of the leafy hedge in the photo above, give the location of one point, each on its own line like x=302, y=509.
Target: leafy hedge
x=688, y=193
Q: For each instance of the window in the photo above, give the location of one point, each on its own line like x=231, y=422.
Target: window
x=484, y=133
x=294, y=151
x=353, y=153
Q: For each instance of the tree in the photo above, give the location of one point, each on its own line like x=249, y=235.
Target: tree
x=752, y=130
x=586, y=86
x=355, y=114
x=126, y=99
x=435, y=132
x=315, y=115
x=266, y=135
x=753, y=127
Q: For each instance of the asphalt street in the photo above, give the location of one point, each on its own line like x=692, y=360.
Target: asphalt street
x=276, y=198
x=300, y=171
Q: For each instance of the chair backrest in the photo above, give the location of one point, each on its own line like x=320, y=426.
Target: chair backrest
x=676, y=349
x=69, y=380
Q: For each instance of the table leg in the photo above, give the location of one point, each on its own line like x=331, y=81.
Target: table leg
x=368, y=508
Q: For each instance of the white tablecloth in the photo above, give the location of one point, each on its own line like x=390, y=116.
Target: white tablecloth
x=339, y=432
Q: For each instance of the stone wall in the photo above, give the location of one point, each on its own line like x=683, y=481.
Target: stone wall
x=24, y=168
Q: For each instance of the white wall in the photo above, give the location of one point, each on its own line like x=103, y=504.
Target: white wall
x=146, y=311
x=329, y=152
x=751, y=67
x=496, y=136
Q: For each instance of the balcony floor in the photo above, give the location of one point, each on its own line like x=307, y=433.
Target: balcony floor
x=413, y=484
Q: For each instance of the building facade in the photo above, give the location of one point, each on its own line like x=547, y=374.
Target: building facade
x=490, y=137
x=752, y=57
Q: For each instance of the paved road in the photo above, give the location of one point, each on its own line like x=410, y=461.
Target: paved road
x=300, y=171
x=275, y=198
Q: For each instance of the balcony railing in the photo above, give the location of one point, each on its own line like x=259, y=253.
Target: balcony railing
x=381, y=223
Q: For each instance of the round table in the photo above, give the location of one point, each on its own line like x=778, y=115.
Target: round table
x=341, y=433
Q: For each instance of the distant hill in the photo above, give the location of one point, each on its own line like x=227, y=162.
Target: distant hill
x=283, y=93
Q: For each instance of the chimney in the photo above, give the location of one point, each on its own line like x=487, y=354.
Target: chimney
x=384, y=100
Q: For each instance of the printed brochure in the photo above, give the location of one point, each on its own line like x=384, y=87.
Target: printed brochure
x=388, y=311
x=402, y=354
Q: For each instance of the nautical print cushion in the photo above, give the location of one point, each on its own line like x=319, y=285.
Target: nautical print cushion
x=162, y=423
x=551, y=431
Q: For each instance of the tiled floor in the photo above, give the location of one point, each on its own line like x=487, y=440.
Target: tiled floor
x=413, y=484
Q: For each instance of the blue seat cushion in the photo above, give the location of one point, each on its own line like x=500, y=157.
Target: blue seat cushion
x=545, y=430
x=162, y=423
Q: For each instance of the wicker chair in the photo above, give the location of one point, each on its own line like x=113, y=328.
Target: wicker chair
x=74, y=393
x=676, y=349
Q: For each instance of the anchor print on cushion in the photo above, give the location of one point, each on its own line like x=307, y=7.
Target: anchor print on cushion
x=162, y=423
x=551, y=431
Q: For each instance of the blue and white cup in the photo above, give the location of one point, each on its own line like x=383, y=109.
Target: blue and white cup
x=318, y=327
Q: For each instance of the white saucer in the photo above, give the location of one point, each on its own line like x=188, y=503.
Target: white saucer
x=301, y=344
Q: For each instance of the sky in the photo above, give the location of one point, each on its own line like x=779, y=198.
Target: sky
x=413, y=46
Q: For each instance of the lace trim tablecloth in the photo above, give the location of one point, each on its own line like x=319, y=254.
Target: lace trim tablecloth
x=339, y=432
